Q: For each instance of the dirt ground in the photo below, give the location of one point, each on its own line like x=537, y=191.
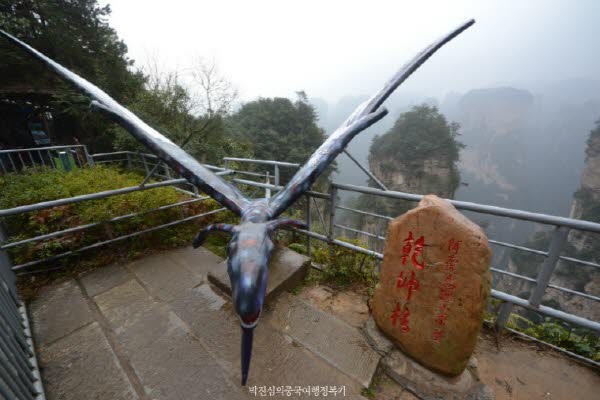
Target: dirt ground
x=514, y=368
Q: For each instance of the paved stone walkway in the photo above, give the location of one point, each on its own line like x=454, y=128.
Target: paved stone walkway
x=156, y=329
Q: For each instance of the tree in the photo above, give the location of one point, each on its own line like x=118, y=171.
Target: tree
x=278, y=129
x=77, y=35
x=189, y=115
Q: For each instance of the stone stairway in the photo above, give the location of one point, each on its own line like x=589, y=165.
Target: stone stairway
x=156, y=328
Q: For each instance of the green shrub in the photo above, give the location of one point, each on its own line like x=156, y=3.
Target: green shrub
x=32, y=187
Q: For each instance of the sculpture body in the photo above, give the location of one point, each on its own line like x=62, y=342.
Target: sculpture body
x=250, y=247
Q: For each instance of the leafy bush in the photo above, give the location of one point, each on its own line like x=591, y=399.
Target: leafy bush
x=343, y=267
x=32, y=187
x=577, y=340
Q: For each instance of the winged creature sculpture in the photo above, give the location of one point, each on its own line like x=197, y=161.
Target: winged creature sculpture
x=250, y=247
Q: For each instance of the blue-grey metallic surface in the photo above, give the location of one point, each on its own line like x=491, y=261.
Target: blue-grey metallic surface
x=251, y=244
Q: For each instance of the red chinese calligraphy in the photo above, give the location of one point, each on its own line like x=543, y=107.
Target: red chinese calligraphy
x=406, y=249
x=419, y=244
x=447, y=287
x=437, y=334
x=404, y=324
x=404, y=327
x=404, y=282
x=395, y=314
x=416, y=250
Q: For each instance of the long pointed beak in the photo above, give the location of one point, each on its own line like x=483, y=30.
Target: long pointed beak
x=247, y=336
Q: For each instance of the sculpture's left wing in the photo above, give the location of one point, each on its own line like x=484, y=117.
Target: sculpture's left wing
x=188, y=167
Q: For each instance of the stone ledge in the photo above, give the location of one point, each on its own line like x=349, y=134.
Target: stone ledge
x=287, y=269
x=424, y=383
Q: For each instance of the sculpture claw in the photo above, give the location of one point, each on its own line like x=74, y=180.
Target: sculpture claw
x=201, y=236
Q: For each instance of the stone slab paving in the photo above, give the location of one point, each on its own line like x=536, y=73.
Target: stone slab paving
x=156, y=329
x=82, y=365
x=332, y=339
x=59, y=310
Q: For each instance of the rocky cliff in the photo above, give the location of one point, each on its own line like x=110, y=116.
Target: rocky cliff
x=581, y=245
x=419, y=154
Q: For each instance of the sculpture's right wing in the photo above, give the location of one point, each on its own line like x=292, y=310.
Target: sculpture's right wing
x=363, y=116
x=187, y=166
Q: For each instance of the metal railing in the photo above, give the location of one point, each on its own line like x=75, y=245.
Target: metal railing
x=19, y=373
x=327, y=232
x=15, y=160
x=561, y=225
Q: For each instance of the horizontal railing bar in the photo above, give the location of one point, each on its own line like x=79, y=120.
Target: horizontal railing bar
x=267, y=162
x=341, y=243
x=40, y=148
x=93, y=196
x=573, y=292
x=481, y=208
x=359, y=231
x=91, y=225
x=365, y=213
x=112, y=154
x=20, y=267
x=577, y=356
x=318, y=195
x=549, y=311
x=586, y=263
x=514, y=246
x=525, y=278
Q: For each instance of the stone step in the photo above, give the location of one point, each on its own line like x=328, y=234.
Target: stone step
x=336, y=342
x=277, y=359
x=286, y=270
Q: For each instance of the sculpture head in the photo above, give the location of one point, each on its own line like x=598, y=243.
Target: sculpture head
x=248, y=255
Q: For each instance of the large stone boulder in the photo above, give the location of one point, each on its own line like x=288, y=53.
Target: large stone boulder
x=434, y=285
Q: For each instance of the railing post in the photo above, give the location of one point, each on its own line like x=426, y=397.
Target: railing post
x=308, y=224
x=129, y=163
x=559, y=239
x=332, y=206
x=145, y=164
x=276, y=172
x=268, y=182
x=6, y=273
x=503, y=315
x=167, y=171
x=88, y=157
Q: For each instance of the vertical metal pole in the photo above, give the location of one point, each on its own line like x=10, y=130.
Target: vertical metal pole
x=12, y=162
x=2, y=164
x=31, y=159
x=129, y=165
x=167, y=171
x=559, y=239
x=276, y=171
x=21, y=158
x=332, y=206
x=144, y=162
x=88, y=157
x=267, y=190
x=308, y=223
x=6, y=272
x=41, y=158
x=51, y=159
x=503, y=315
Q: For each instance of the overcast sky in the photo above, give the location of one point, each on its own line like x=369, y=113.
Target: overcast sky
x=333, y=49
